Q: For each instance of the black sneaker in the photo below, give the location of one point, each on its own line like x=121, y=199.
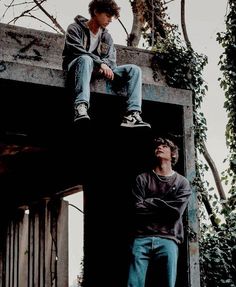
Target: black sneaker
x=134, y=120
x=81, y=112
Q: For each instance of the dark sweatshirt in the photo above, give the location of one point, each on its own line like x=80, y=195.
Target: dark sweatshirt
x=159, y=204
x=77, y=42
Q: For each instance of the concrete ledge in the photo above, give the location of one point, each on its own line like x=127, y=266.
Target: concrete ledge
x=31, y=74
x=34, y=56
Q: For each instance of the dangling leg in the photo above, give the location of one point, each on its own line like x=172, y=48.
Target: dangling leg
x=132, y=76
x=82, y=68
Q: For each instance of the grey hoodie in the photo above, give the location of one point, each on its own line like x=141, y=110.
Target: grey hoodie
x=77, y=42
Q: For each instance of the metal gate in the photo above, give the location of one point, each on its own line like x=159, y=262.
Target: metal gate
x=34, y=248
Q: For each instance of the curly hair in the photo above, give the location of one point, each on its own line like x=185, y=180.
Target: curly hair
x=173, y=147
x=104, y=6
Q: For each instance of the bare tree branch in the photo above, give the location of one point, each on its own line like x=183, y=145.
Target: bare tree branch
x=214, y=172
x=123, y=27
x=5, y=12
x=38, y=19
x=53, y=19
x=183, y=24
x=19, y=4
x=24, y=13
x=167, y=2
x=210, y=212
x=27, y=13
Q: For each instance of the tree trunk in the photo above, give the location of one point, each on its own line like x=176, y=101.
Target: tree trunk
x=210, y=212
x=214, y=172
x=138, y=8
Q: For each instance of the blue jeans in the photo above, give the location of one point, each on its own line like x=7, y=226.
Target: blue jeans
x=129, y=75
x=156, y=257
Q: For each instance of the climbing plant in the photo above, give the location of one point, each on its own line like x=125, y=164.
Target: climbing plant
x=218, y=254
x=218, y=261
x=183, y=68
x=228, y=84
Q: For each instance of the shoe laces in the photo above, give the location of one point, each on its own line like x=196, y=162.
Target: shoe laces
x=82, y=108
x=137, y=116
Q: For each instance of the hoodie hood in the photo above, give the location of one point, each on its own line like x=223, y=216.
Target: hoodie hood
x=81, y=20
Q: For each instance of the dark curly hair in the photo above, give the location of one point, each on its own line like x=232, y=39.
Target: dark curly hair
x=104, y=6
x=173, y=147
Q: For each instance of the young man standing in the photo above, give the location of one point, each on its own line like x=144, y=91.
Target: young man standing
x=89, y=49
x=160, y=199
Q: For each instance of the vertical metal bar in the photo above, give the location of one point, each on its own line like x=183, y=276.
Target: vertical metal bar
x=23, y=250
x=62, y=244
x=8, y=248
x=1, y=261
x=11, y=257
x=15, y=252
x=31, y=248
x=36, y=248
x=48, y=244
x=41, y=248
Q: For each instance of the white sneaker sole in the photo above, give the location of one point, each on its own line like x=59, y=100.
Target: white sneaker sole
x=135, y=126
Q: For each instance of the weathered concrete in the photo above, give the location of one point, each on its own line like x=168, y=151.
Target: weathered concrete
x=34, y=56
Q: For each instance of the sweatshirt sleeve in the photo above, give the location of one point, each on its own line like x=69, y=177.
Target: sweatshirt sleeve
x=172, y=207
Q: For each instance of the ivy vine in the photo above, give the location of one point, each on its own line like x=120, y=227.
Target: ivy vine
x=228, y=84
x=218, y=261
x=183, y=68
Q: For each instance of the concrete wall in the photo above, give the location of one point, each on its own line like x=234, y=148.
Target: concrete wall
x=34, y=56
x=34, y=100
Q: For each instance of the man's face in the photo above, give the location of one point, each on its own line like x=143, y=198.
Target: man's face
x=163, y=151
x=103, y=19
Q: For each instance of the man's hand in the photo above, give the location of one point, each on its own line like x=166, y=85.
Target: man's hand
x=106, y=71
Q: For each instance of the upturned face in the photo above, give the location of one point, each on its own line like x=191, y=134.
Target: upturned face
x=102, y=19
x=163, y=152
